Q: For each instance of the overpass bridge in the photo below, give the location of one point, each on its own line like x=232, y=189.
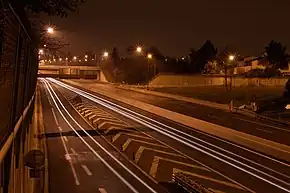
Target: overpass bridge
x=65, y=71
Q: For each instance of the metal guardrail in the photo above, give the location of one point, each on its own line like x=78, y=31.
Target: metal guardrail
x=188, y=184
x=18, y=73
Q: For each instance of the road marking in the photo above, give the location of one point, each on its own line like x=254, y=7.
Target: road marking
x=73, y=151
x=54, y=116
x=90, y=113
x=175, y=170
x=106, y=119
x=102, y=190
x=155, y=164
x=88, y=172
x=262, y=124
x=91, y=117
x=65, y=138
x=142, y=148
x=130, y=134
x=116, y=128
x=112, y=123
x=67, y=157
x=60, y=128
x=127, y=143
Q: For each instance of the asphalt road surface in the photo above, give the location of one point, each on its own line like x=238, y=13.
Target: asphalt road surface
x=152, y=149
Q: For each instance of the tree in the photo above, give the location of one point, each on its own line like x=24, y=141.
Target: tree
x=51, y=7
x=115, y=57
x=276, y=55
x=202, y=56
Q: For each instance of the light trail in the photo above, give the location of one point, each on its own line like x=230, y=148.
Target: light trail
x=177, y=137
x=97, y=143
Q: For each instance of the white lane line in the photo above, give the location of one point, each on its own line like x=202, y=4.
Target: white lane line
x=262, y=124
x=102, y=190
x=88, y=172
x=92, y=149
x=60, y=128
x=73, y=151
x=175, y=136
x=65, y=138
x=54, y=116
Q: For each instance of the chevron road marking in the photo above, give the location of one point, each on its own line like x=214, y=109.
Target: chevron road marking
x=92, y=117
x=155, y=164
x=175, y=170
x=130, y=134
x=106, y=119
x=87, y=115
x=127, y=143
x=142, y=148
x=116, y=128
x=117, y=123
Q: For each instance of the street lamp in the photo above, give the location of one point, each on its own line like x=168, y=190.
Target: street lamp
x=75, y=57
x=86, y=56
x=40, y=51
x=149, y=56
x=50, y=30
x=60, y=59
x=231, y=57
x=106, y=54
x=44, y=45
x=139, y=49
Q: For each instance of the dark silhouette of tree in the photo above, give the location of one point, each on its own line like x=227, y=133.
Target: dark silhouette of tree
x=115, y=57
x=205, y=54
x=276, y=55
x=51, y=7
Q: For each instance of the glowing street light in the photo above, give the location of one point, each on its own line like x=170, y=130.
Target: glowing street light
x=149, y=56
x=60, y=59
x=231, y=57
x=66, y=58
x=75, y=57
x=50, y=30
x=139, y=49
x=106, y=54
x=86, y=56
x=86, y=60
x=44, y=45
x=40, y=51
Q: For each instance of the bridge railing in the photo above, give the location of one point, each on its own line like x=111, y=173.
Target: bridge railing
x=18, y=71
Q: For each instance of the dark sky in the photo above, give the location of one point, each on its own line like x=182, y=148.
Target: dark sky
x=246, y=26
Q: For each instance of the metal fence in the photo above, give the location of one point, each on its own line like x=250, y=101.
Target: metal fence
x=18, y=70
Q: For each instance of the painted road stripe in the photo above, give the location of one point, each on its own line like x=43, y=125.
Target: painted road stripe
x=60, y=128
x=65, y=138
x=130, y=134
x=88, y=172
x=116, y=128
x=90, y=113
x=102, y=190
x=155, y=164
x=92, y=117
x=112, y=123
x=107, y=119
x=127, y=143
x=142, y=148
x=54, y=116
x=73, y=151
x=175, y=170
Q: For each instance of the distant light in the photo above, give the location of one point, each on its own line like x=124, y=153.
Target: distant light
x=45, y=60
x=60, y=59
x=165, y=59
x=86, y=60
x=44, y=45
x=93, y=59
x=183, y=58
x=50, y=30
x=54, y=59
x=40, y=51
x=75, y=57
x=86, y=56
x=66, y=58
x=106, y=54
x=149, y=56
x=139, y=49
x=231, y=57
x=80, y=60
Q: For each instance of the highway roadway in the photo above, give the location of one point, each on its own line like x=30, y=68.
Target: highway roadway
x=98, y=144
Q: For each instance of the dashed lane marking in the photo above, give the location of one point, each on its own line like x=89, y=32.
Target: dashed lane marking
x=117, y=123
x=102, y=190
x=86, y=169
x=127, y=143
x=65, y=138
x=142, y=148
x=155, y=164
x=60, y=128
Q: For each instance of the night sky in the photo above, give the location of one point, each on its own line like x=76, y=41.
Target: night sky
x=246, y=26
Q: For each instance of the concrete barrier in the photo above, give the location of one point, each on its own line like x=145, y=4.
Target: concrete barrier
x=172, y=80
